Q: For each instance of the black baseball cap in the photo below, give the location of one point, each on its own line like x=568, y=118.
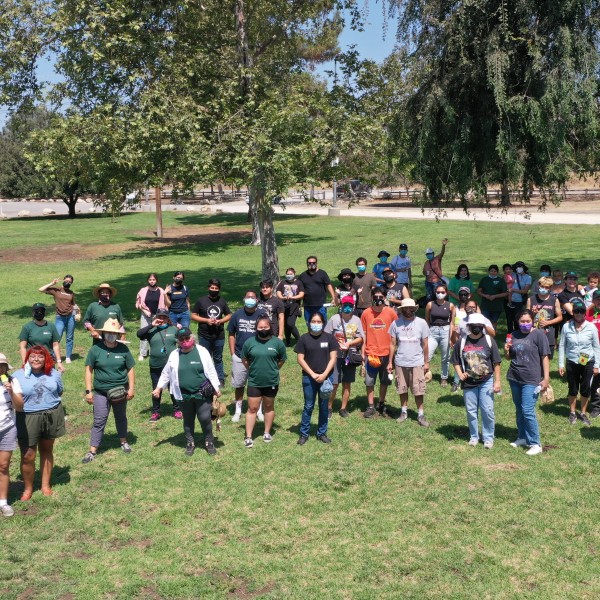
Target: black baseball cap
x=403, y=247
x=184, y=332
x=383, y=253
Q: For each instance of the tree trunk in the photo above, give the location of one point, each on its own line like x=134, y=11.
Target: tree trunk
x=270, y=261
x=71, y=201
x=253, y=208
x=504, y=194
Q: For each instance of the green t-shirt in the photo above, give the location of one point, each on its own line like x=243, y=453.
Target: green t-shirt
x=97, y=314
x=162, y=343
x=190, y=372
x=493, y=286
x=42, y=335
x=455, y=285
x=263, y=358
x=110, y=365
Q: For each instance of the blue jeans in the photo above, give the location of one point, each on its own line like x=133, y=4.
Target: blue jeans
x=311, y=391
x=430, y=289
x=67, y=323
x=481, y=398
x=215, y=347
x=182, y=318
x=309, y=311
x=439, y=336
x=527, y=424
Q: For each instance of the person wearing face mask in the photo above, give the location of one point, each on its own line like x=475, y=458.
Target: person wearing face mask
x=290, y=291
x=347, y=330
x=546, y=309
x=380, y=266
x=579, y=351
x=317, y=285
x=109, y=383
x=211, y=312
x=64, y=300
x=317, y=355
x=99, y=312
x=40, y=332
x=439, y=314
x=493, y=292
x=263, y=356
x=519, y=293
x=476, y=359
x=242, y=326
x=394, y=292
x=376, y=322
x=363, y=283
x=432, y=270
x=271, y=305
x=592, y=315
x=402, y=266
x=528, y=376
x=178, y=300
x=545, y=271
x=462, y=279
x=346, y=289
x=148, y=300
x=572, y=294
x=161, y=337
x=472, y=308
x=409, y=347
x=191, y=376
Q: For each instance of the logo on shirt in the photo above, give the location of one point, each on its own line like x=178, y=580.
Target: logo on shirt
x=213, y=312
x=378, y=324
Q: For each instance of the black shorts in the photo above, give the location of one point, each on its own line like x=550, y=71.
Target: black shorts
x=579, y=378
x=343, y=373
x=259, y=392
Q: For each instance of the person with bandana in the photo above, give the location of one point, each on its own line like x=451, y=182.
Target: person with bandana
x=97, y=313
x=579, y=352
x=108, y=366
x=546, y=309
x=432, y=270
x=593, y=316
x=402, y=266
x=462, y=279
x=439, y=314
x=528, y=376
x=364, y=283
x=64, y=301
x=381, y=266
x=394, y=292
x=40, y=332
x=192, y=377
x=242, y=326
x=178, y=300
x=149, y=300
x=263, y=356
x=211, y=312
x=290, y=291
x=409, y=351
x=493, y=292
x=161, y=337
x=476, y=359
x=316, y=286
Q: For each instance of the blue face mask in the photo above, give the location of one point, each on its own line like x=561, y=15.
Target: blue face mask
x=163, y=326
x=316, y=327
x=347, y=308
x=403, y=253
x=544, y=274
x=430, y=256
x=383, y=259
x=249, y=302
x=361, y=268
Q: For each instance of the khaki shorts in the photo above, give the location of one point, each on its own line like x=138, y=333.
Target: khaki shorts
x=239, y=373
x=41, y=425
x=410, y=378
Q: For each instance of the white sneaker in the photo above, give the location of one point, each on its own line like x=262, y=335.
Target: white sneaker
x=68, y=360
x=260, y=417
x=473, y=442
x=236, y=417
x=519, y=443
x=535, y=449
x=488, y=445
x=267, y=437
x=7, y=510
x=140, y=358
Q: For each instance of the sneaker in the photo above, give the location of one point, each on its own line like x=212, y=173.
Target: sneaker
x=423, y=422
x=140, y=358
x=189, y=450
x=302, y=440
x=473, y=442
x=585, y=419
x=248, y=442
x=323, y=438
x=444, y=383
x=236, y=417
x=519, y=443
x=488, y=445
x=329, y=413
x=178, y=415
x=370, y=412
x=261, y=417
x=7, y=510
x=88, y=458
x=155, y=416
x=126, y=447
x=267, y=437
x=68, y=360
x=403, y=416
x=572, y=418
x=344, y=413
x=210, y=448
x=454, y=387
x=595, y=414
x=535, y=449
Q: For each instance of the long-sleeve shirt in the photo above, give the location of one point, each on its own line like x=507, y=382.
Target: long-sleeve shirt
x=574, y=343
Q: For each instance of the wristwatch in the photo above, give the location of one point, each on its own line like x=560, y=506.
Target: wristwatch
x=88, y=392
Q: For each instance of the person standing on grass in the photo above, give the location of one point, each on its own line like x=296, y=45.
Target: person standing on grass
x=161, y=337
x=376, y=322
x=242, y=326
x=40, y=332
x=379, y=267
x=439, y=314
x=178, y=300
x=476, y=359
x=64, y=300
x=11, y=397
x=409, y=347
x=462, y=279
x=317, y=354
x=432, y=269
x=546, y=309
x=104, y=309
x=347, y=330
x=572, y=294
x=109, y=364
x=528, y=375
x=272, y=306
x=317, y=285
x=290, y=291
x=346, y=288
x=493, y=292
x=394, y=292
x=519, y=292
x=364, y=283
x=149, y=300
x=191, y=376
x=211, y=312
x=579, y=347
x=263, y=356
x=593, y=316
x=401, y=265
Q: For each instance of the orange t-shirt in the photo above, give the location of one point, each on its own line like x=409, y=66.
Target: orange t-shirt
x=376, y=327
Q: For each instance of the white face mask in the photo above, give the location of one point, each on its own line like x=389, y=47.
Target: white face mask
x=111, y=338
x=440, y=295
x=520, y=270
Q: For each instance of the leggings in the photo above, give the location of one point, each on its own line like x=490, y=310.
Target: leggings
x=201, y=408
x=290, y=328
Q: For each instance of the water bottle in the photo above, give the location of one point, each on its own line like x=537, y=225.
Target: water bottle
x=537, y=390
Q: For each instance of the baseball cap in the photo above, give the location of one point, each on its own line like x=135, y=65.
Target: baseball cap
x=347, y=300
x=430, y=251
x=184, y=332
x=403, y=247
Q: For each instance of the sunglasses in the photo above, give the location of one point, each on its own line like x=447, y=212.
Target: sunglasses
x=311, y=263
x=579, y=311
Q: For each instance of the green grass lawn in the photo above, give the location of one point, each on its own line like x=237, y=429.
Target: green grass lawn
x=385, y=511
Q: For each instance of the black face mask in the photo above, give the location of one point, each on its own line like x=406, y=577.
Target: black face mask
x=104, y=299
x=469, y=311
x=177, y=282
x=312, y=267
x=346, y=279
x=263, y=333
x=66, y=284
x=388, y=278
x=476, y=329
x=39, y=315
x=213, y=295
x=378, y=301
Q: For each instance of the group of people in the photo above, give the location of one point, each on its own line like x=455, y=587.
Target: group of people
x=375, y=332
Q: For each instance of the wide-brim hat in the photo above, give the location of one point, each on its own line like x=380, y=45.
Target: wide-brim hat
x=4, y=361
x=346, y=272
x=111, y=326
x=408, y=303
x=104, y=286
x=383, y=253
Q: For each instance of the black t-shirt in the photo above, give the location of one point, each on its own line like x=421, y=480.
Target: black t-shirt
x=273, y=307
x=291, y=288
x=315, y=287
x=152, y=299
x=526, y=353
x=178, y=297
x=568, y=297
x=211, y=309
x=439, y=314
x=316, y=350
x=477, y=360
x=243, y=326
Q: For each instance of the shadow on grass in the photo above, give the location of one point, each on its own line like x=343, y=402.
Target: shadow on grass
x=454, y=432
x=590, y=433
x=556, y=408
x=453, y=399
x=179, y=440
x=60, y=476
x=111, y=441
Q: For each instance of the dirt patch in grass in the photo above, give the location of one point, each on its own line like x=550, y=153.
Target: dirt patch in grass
x=503, y=467
x=149, y=592
x=238, y=586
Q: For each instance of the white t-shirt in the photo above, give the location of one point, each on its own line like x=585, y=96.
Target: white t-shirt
x=7, y=413
x=409, y=334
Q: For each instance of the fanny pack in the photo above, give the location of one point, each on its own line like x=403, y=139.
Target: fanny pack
x=117, y=394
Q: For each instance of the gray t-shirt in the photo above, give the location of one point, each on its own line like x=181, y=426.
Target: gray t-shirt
x=409, y=336
x=353, y=329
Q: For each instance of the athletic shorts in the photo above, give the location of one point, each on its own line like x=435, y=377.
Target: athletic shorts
x=371, y=374
x=239, y=373
x=258, y=392
x=410, y=378
x=41, y=425
x=343, y=373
